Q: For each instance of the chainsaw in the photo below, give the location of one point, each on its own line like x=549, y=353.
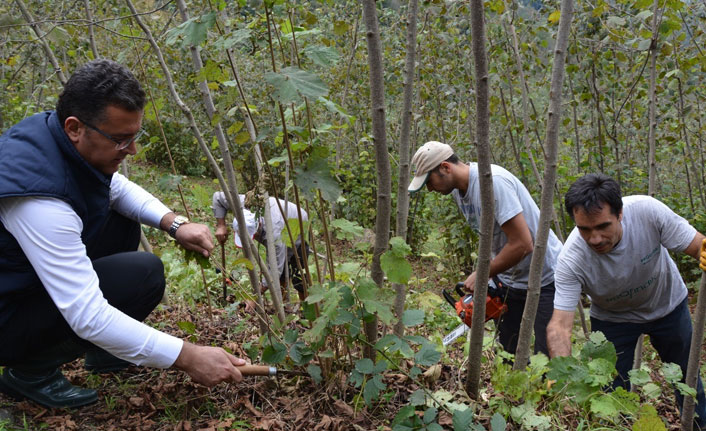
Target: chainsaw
x=494, y=306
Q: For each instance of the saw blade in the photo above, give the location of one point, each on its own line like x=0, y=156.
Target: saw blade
x=460, y=330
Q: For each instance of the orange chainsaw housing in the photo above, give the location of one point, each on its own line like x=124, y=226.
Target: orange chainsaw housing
x=494, y=308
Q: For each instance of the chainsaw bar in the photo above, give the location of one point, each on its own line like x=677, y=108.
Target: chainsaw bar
x=453, y=335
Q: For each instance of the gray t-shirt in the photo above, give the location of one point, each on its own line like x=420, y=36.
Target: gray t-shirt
x=511, y=199
x=635, y=282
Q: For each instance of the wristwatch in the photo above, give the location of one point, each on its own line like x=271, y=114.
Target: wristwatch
x=178, y=221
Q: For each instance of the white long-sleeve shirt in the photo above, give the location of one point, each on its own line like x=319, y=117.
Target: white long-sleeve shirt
x=49, y=232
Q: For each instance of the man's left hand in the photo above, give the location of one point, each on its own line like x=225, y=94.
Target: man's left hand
x=196, y=237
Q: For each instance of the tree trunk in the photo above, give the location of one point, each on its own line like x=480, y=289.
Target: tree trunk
x=486, y=194
x=42, y=40
x=91, y=33
x=652, y=157
x=547, y=202
x=382, y=160
x=692, y=369
x=402, y=194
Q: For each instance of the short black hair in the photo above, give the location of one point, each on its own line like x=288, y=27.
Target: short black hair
x=95, y=86
x=453, y=159
x=591, y=192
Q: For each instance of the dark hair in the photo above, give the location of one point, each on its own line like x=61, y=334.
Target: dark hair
x=453, y=159
x=591, y=192
x=95, y=86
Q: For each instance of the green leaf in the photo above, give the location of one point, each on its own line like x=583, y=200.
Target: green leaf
x=346, y=229
x=644, y=44
x=404, y=413
x=393, y=343
x=672, y=372
x=245, y=262
x=393, y=261
x=316, y=175
x=169, y=183
x=430, y=415
x=685, y=389
x=412, y=317
x=497, y=422
x=300, y=353
x=340, y=27
x=202, y=196
x=322, y=55
x=192, y=31
x=274, y=353
x=640, y=376
x=397, y=269
x=600, y=372
x=615, y=21
x=315, y=373
x=201, y=261
x=427, y=355
x=375, y=300
x=364, y=366
x=652, y=391
x=462, y=419
x=234, y=38
x=290, y=336
x=648, y=420
x=188, y=327
x=418, y=398
x=292, y=83
x=370, y=393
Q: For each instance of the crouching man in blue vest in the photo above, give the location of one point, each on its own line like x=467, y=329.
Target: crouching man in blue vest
x=71, y=280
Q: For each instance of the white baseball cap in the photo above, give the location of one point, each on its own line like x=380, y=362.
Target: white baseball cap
x=250, y=225
x=427, y=157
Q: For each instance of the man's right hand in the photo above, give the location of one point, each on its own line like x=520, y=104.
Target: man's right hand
x=559, y=333
x=209, y=366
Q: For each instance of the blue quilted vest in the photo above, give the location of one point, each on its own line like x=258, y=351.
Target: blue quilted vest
x=37, y=159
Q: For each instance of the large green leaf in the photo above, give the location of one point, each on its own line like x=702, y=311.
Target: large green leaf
x=322, y=55
x=375, y=300
x=346, y=229
x=393, y=261
x=292, y=83
x=462, y=419
x=233, y=39
x=192, y=31
x=274, y=353
x=427, y=355
x=413, y=317
x=316, y=175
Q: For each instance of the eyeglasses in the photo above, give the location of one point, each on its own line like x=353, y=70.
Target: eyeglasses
x=120, y=144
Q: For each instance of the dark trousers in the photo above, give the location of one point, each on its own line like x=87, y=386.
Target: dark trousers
x=131, y=281
x=670, y=336
x=509, y=327
x=299, y=250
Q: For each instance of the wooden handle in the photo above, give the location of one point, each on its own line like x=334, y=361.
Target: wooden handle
x=257, y=370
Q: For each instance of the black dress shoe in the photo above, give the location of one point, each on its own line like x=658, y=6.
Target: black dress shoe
x=98, y=361
x=49, y=390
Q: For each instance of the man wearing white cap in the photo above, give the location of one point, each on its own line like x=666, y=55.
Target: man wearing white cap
x=516, y=221
x=256, y=229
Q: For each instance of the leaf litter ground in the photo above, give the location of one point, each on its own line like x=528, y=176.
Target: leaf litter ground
x=148, y=399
